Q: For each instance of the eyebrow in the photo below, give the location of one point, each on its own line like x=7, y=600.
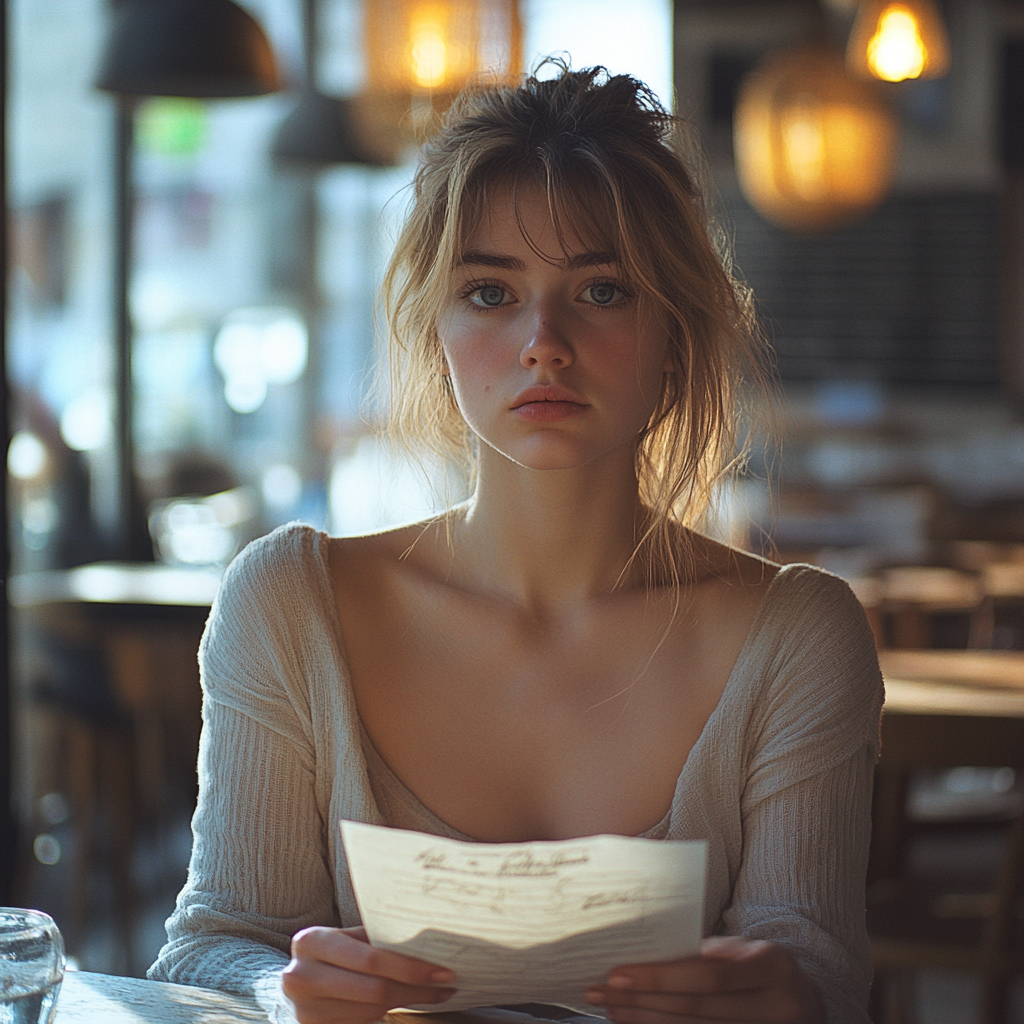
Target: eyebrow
x=478, y=258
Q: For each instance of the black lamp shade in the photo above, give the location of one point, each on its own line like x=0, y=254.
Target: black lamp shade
x=320, y=131
x=201, y=48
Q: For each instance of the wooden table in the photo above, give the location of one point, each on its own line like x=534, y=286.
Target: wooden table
x=101, y=999
x=945, y=682
x=110, y=678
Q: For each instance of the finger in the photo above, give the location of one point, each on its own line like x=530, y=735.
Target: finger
x=340, y=949
x=315, y=980
x=740, y=964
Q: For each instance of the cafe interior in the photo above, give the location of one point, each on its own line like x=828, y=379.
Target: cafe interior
x=200, y=198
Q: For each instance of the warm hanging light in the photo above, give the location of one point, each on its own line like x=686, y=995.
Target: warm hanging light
x=815, y=146
x=201, y=48
x=438, y=46
x=898, y=39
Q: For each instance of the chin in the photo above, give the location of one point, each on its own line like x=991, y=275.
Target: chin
x=551, y=454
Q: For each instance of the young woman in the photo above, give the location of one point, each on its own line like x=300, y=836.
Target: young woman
x=563, y=654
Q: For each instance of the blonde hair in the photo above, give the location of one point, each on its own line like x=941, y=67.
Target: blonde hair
x=609, y=159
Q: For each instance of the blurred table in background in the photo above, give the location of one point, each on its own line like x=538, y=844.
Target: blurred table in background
x=111, y=704
x=949, y=682
x=948, y=713
x=117, y=583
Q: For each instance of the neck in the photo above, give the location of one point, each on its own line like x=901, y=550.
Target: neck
x=549, y=540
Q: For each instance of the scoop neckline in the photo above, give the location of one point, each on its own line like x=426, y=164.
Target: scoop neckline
x=330, y=614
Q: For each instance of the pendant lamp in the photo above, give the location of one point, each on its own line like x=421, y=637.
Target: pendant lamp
x=435, y=47
x=201, y=48
x=323, y=130
x=815, y=145
x=894, y=40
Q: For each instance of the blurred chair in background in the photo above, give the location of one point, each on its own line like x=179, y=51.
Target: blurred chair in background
x=928, y=606
x=92, y=751
x=916, y=920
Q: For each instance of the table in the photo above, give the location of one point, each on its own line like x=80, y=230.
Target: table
x=988, y=684
x=102, y=999
x=109, y=679
x=123, y=583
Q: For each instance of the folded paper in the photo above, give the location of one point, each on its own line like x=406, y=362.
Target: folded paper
x=526, y=922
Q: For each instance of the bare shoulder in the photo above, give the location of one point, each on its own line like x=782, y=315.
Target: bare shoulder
x=730, y=588
x=374, y=559
x=732, y=568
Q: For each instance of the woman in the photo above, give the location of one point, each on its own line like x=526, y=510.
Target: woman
x=561, y=655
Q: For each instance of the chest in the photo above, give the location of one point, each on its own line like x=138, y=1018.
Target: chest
x=510, y=729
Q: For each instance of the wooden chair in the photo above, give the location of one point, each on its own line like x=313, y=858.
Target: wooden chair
x=914, y=594
x=916, y=926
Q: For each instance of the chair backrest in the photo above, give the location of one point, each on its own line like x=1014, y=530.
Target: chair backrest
x=914, y=742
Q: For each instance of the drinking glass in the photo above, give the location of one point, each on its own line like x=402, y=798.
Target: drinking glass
x=31, y=966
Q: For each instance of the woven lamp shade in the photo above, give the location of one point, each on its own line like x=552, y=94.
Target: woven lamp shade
x=426, y=46
x=815, y=145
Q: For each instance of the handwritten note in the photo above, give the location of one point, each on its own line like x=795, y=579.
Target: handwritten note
x=526, y=922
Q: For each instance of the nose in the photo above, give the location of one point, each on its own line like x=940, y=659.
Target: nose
x=546, y=344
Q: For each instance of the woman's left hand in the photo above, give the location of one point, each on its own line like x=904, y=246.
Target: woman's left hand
x=731, y=979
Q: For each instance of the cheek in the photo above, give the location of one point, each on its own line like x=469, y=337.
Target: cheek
x=474, y=363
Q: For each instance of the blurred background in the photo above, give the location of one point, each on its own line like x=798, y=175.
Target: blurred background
x=194, y=247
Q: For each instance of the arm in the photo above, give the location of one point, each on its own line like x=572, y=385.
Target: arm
x=798, y=899
x=259, y=870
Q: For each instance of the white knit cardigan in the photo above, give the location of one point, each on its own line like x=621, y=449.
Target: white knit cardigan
x=779, y=782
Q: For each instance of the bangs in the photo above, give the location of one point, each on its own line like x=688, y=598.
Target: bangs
x=582, y=211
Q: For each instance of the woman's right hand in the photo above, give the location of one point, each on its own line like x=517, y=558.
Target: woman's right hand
x=337, y=977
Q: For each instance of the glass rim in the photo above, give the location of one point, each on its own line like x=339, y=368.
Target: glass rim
x=23, y=921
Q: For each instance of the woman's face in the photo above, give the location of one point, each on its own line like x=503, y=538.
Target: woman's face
x=547, y=360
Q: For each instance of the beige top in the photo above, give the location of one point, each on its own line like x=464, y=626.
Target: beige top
x=779, y=782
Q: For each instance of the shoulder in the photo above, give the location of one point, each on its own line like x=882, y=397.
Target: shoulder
x=281, y=556
x=269, y=636
x=274, y=579
x=820, y=693
x=374, y=563
x=819, y=655
x=813, y=606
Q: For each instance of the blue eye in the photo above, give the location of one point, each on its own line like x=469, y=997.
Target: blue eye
x=489, y=295
x=604, y=293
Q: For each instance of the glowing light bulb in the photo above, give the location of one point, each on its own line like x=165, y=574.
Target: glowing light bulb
x=803, y=142
x=896, y=51
x=428, y=55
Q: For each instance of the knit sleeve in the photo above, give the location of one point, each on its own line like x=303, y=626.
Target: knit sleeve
x=260, y=868
x=807, y=802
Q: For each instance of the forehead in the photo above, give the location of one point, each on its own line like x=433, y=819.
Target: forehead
x=525, y=220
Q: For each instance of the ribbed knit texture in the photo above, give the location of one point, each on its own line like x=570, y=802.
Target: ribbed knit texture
x=779, y=782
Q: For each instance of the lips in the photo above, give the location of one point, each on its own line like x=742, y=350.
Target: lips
x=547, y=393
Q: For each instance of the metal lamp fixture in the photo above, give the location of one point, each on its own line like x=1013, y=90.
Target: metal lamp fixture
x=894, y=40
x=815, y=145
x=205, y=49
x=201, y=48
x=321, y=130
